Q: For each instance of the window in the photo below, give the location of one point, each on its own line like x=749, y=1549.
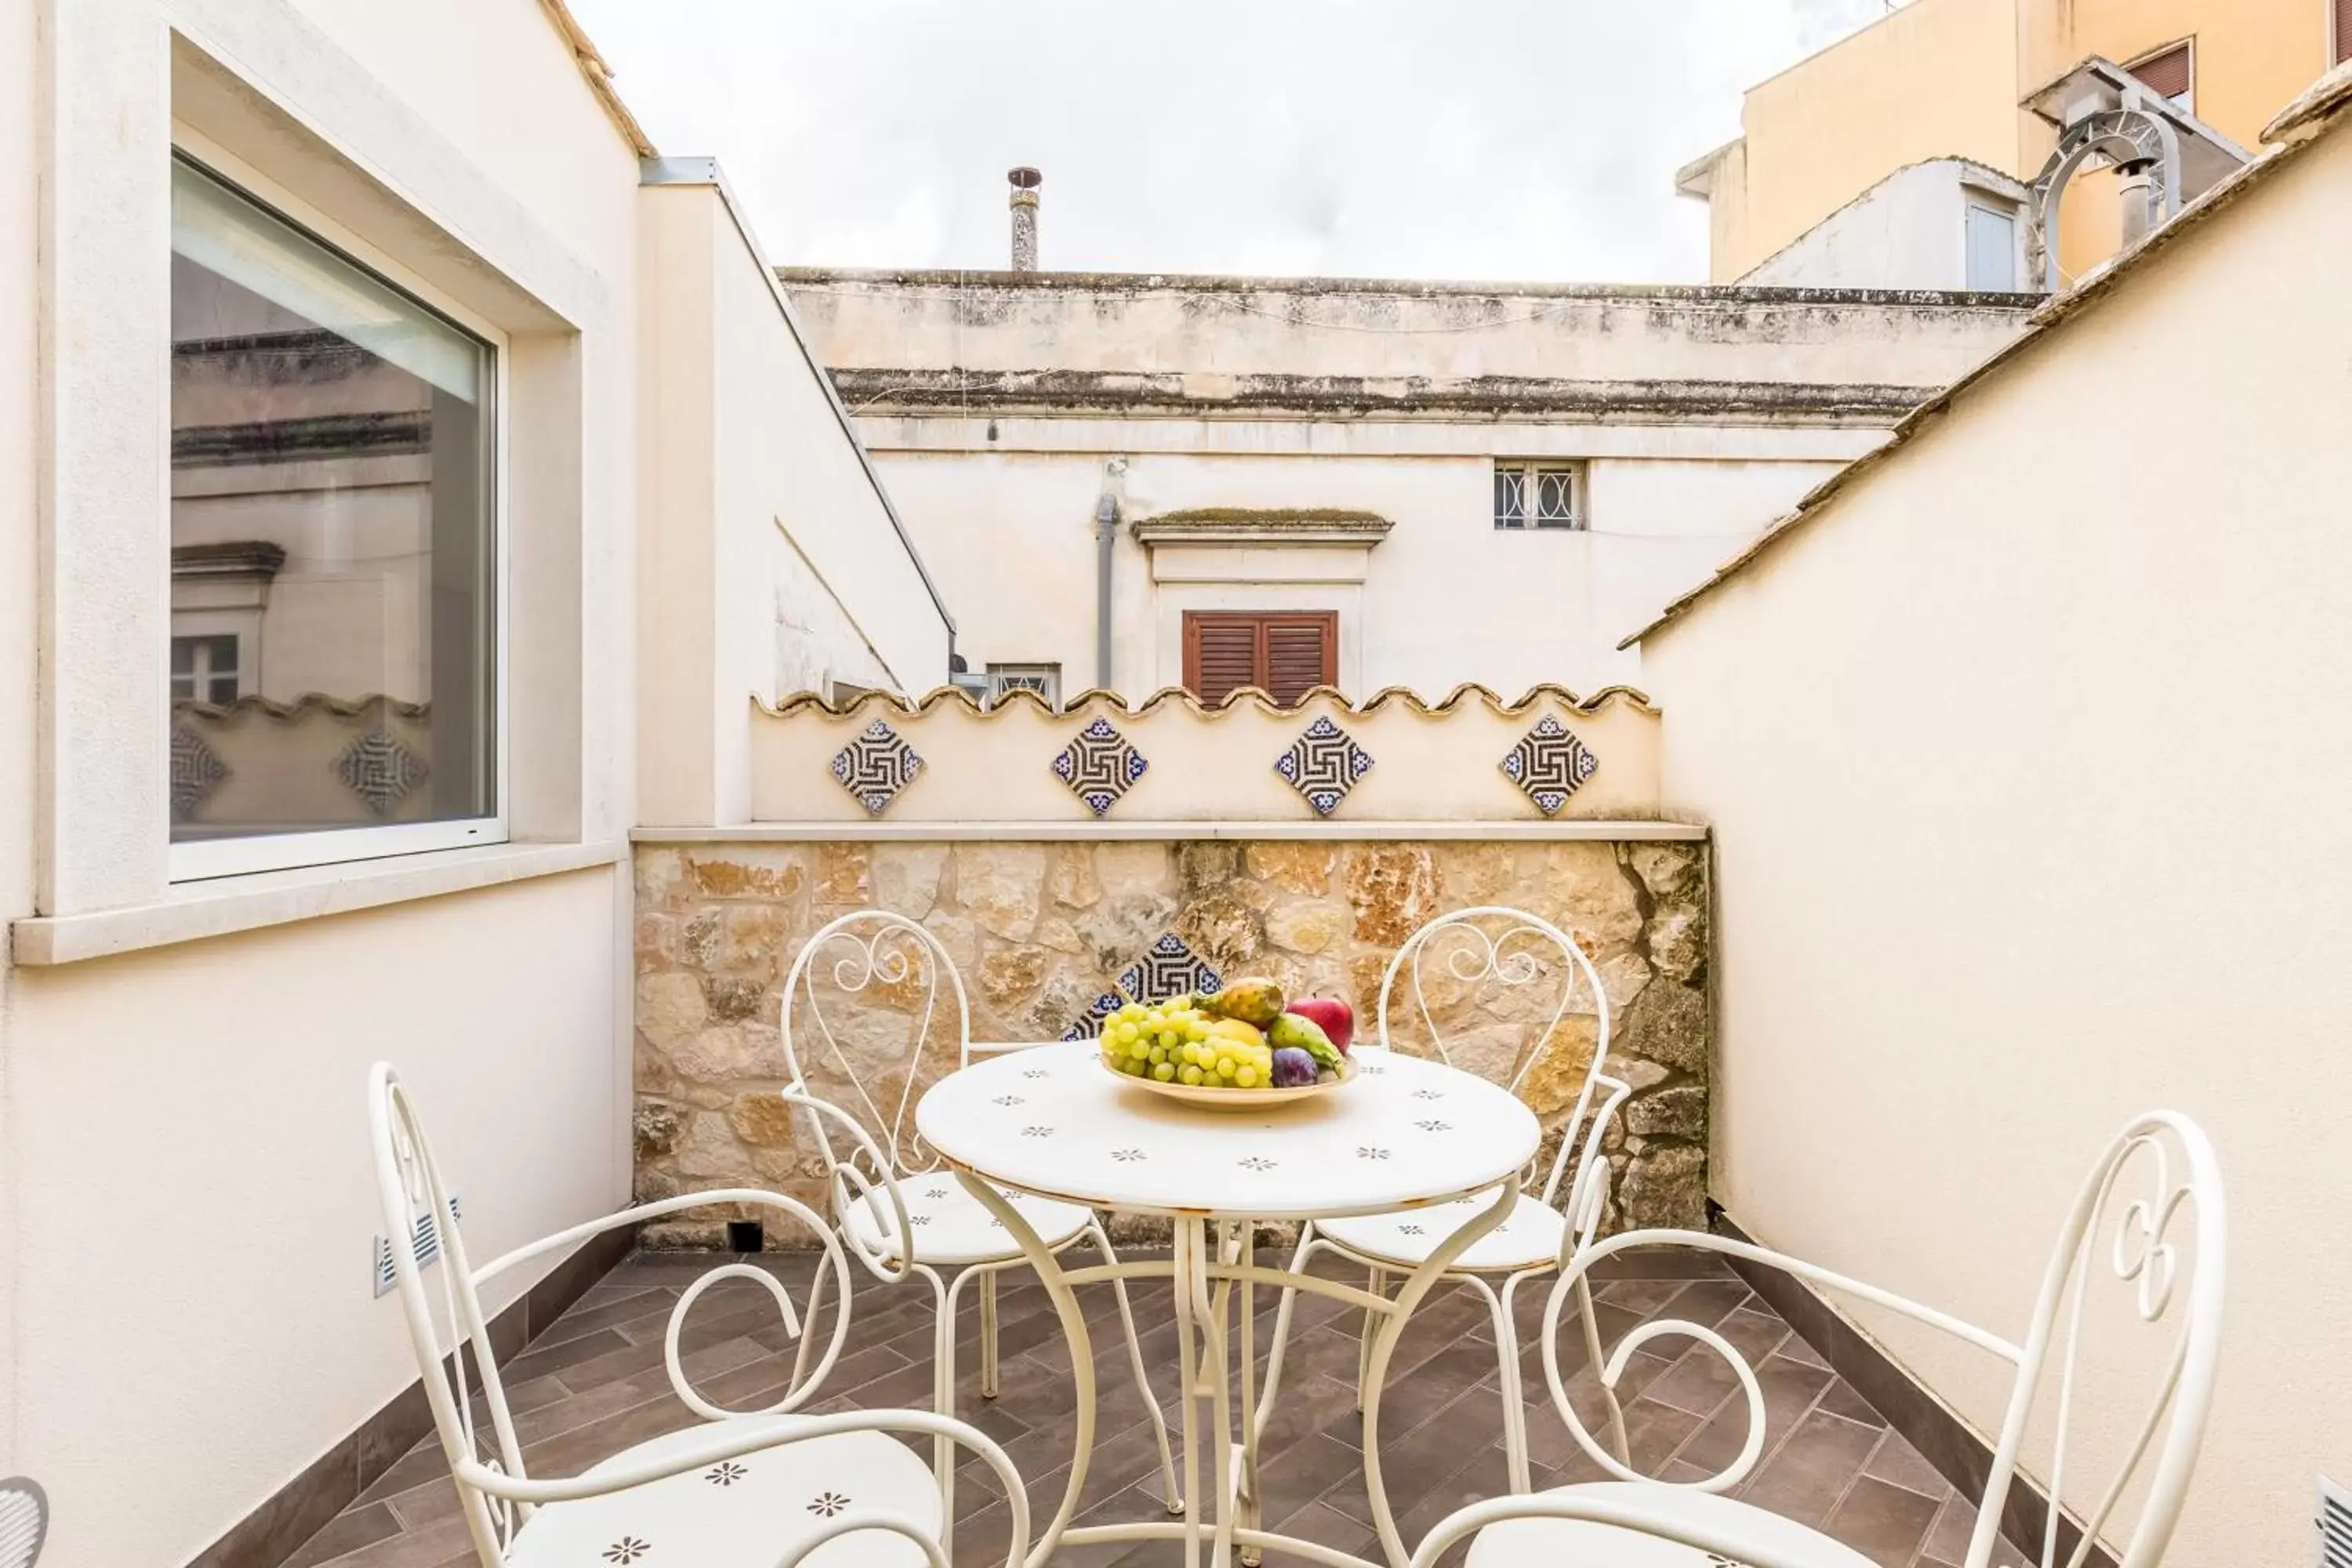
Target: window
x=1284, y=653
x=1540, y=495
x=1045, y=679
x=203, y=669
x=1992, y=249
x=2339, y=31
x=2171, y=71
x=334, y=495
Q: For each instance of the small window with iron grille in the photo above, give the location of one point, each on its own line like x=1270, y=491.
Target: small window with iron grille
x=1045, y=679
x=1540, y=495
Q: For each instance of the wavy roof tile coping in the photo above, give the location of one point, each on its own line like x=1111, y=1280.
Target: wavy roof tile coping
x=340, y=707
x=1096, y=696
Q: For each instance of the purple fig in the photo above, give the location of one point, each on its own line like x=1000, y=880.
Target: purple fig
x=1293, y=1067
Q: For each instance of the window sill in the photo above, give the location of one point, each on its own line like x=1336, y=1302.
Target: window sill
x=227, y=905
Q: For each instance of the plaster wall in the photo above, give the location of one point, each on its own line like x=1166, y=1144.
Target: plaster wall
x=212, y=1092
x=1992, y=873
x=1908, y=231
x=1214, y=328
x=1446, y=597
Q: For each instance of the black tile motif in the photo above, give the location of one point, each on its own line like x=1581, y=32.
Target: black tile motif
x=196, y=771
x=876, y=766
x=380, y=770
x=1089, y=1025
x=1170, y=969
x=1549, y=763
x=1100, y=765
x=1324, y=764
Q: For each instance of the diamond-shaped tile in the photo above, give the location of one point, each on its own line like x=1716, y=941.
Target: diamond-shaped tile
x=876, y=766
x=196, y=771
x=1323, y=764
x=1549, y=762
x=380, y=770
x=1100, y=765
x=1089, y=1025
x=1170, y=969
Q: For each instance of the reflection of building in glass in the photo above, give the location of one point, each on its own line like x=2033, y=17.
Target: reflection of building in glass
x=331, y=569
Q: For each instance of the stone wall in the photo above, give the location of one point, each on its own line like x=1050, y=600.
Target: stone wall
x=1040, y=930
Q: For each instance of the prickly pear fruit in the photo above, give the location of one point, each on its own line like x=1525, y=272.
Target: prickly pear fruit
x=1293, y=1031
x=1255, y=1001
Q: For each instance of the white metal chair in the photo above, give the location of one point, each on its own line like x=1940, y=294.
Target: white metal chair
x=1491, y=946
x=739, y=1490
x=1644, y=1523
x=900, y=1211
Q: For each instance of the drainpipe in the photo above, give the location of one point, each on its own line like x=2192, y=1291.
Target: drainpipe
x=1106, y=536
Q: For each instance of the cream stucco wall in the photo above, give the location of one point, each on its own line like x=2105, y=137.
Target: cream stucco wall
x=1444, y=598
x=207, y=1098
x=2026, y=774
x=182, y=1064
x=770, y=558
x=1700, y=417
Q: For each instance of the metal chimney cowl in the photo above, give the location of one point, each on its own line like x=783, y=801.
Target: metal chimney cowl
x=1025, y=182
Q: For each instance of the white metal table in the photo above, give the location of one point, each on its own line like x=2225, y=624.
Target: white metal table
x=1407, y=1133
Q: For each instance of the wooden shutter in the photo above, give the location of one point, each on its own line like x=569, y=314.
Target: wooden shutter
x=1301, y=653
x=1284, y=653
x=2342, y=34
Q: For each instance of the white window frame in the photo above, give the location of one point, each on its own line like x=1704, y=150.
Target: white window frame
x=1974, y=198
x=202, y=860
x=1004, y=678
x=200, y=673
x=1531, y=471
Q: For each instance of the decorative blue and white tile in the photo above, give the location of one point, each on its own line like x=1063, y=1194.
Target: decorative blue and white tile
x=1549, y=763
x=196, y=771
x=876, y=765
x=1089, y=1025
x=1323, y=764
x=1100, y=765
x=380, y=770
x=1170, y=969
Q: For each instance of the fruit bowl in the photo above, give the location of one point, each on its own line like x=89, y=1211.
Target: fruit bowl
x=1229, y=1099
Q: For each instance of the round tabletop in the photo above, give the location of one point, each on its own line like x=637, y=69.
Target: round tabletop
x=1054, y=1120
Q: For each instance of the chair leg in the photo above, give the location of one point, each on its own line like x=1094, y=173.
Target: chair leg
x=1375, y=1281
x=1308, y=1245
x=988, y=1334
x=1514, y=1408
x=809, y=1336
x=943, y=1450
x=1174, y=1495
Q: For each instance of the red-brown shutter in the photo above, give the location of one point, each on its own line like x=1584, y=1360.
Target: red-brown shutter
x=1221, y=652
x=1300, y=654
x=2167, y=72
x=2343, y=37
x=1284, y=653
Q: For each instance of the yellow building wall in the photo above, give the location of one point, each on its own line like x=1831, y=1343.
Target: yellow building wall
x=1942, y=79
x=1931, y=81
x=2250, y=59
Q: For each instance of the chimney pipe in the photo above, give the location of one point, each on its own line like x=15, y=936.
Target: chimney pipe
x=1025, y=182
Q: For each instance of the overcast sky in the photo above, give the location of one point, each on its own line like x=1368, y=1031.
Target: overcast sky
x=1527, y=140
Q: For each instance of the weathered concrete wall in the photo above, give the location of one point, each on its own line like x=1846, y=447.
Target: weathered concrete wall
x=1001, y=407
x=1040, y=929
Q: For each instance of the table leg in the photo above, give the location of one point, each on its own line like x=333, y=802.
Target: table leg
x=1050, y=1275
x=1251, y=1518
x=1383, y=1346
x=1189, y=1234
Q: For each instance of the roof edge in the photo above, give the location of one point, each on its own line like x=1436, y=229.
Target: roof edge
x=800, y=702
x=599, y=78
x=2053, y=316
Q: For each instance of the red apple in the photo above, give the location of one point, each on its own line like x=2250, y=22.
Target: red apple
x=1333, y=1017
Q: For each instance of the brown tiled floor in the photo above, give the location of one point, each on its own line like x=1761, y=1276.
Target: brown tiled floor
x=593, y=1383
